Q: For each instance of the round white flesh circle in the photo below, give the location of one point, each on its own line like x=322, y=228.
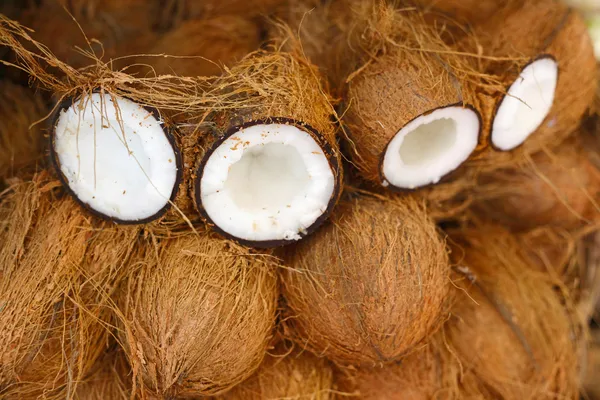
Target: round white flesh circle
x=115, y=157
x=430, y=146
x=267, y=182
x=526, y=105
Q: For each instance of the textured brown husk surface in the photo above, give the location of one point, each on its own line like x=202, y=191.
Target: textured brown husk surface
x=196, y=315
x=58, y=267
x=379, y=273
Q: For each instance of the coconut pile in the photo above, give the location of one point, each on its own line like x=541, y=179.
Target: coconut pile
x=299, y=199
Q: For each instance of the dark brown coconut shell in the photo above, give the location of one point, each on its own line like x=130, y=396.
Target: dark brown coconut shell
x=58, y=269
x=354, y=291
x=20, y=144
x=510, y=326
x=557, y=188
x=287, y=372
x=197, y=316
x=202, y=47
x=271, y=87
x=533, y=29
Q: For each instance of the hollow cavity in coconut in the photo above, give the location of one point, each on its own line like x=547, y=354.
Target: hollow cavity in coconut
x=198, y=314
x=369, y=287
x=117, y=158
x=272, y=174
x=287, y=373
x=556, y=188
x=58, y=269
x=509, y=325
x=202, y=47
x=549, y=81
x=20, y=144
x=410, y=120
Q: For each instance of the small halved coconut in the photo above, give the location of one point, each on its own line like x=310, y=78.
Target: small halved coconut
x=267, y=183
x=526, y=104
x=116, y=157
x=430, y=146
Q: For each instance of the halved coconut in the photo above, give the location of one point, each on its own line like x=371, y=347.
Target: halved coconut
x=267, y=182
x=430, y=146
x=116, y=158
x=526, y=104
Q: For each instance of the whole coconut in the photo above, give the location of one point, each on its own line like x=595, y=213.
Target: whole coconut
x=197, y=314
x=370, y=286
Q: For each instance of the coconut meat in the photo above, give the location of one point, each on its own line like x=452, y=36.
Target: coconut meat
x=526, y=104
x=115, y=157
x=430, y=146
x=267, y=182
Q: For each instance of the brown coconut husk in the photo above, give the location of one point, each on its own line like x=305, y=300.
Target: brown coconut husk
x=510, y=325
x=587, y=272
x=466, y=11
x=523, y=33
x=287, y=373
x=111, y=380
x=197, y=316
x=21, y=143
x=354, y=291
x=58, y=269
x=202, y=47
x=554, y=188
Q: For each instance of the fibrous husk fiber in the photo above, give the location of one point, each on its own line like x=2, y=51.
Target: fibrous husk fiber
x=58, y=268
x=287, y=372
x=511, y=324
x=197, y=316
x=21, y=143
x=111, y=380
x=522, y=33
x=553, y=188
x=367, y=288
x=202, y=47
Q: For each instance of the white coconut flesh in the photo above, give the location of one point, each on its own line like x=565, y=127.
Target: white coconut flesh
x=267, y=182
x=430, y=146
x=116, y=157
x=526, y=104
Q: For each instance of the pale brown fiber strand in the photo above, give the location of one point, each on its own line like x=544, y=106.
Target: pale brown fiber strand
x=369, y=287
x=58, y=268
x=202, y=47
x=197, y=316
x=511, y=324
x=558, y=188
x=287, y=372
x=21, y=142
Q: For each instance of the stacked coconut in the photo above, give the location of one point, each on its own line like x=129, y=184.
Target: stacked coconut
x=297, y=200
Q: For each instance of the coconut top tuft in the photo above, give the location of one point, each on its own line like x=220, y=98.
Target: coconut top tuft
x=367, y=271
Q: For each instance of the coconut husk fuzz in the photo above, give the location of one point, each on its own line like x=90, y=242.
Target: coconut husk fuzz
x=510, y=325
x=202, y=47
x=111, y=380
x=58, y=269
x=560, y=33
x=287, y=372
x=556, y=189
x=21, y=143
x=354, y=291
x=197, y=315
x=466, y=11
x=587, y=272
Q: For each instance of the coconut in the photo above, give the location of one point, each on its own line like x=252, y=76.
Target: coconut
x=271, y=173
x=287, y=373
x=201, y=47
x=20, y=143
x=509, y=325
x=549, y=81
x=58, y=269
x=354, y=291
x=111, y=380
x=469, y=11
x=553, y=188
x=197, y=316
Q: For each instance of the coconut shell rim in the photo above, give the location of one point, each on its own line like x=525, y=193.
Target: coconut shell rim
x=330, y=154
x=169, y=134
